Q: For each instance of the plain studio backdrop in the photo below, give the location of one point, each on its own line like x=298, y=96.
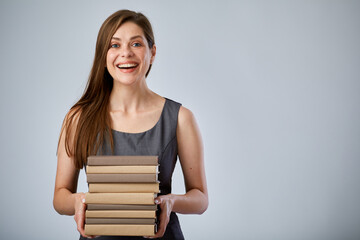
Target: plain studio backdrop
x=274, y=86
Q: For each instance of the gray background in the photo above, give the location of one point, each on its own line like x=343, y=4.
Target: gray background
x=274, y=85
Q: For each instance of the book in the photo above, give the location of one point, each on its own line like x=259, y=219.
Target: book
x=122, y=160
x=122, y=169
x=120, y=229
x=120, y=201
x=124, y=187
x=121, y=177
x=120, y=214
x=92, y=206
x=120, y=198
x=119, y=220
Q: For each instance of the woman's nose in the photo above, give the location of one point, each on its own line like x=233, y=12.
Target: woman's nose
x=126, y=51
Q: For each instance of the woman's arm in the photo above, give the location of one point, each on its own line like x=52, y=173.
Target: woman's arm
x=191, y=155
x=66, y=201
x=190, y=151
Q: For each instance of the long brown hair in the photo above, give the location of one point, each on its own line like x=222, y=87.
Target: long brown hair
x=90, y=114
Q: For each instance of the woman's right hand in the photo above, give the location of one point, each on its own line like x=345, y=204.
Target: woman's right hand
x=79, y=216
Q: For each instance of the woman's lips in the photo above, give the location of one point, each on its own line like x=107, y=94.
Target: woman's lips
x=127, y=67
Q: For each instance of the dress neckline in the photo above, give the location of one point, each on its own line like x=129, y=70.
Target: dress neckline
x=153, y=127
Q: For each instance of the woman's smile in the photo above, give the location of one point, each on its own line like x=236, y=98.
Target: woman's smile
x=127, y=67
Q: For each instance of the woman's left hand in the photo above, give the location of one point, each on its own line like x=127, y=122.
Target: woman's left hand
x=166, y=203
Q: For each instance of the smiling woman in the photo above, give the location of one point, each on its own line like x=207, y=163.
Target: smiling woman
x=130, y=56
x=119, y=115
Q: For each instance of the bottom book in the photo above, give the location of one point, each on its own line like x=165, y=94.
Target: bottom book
x=120, y=229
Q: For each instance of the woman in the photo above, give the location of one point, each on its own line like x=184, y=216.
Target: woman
x=119, y=115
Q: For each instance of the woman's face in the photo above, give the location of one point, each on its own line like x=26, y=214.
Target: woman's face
x=129, y=56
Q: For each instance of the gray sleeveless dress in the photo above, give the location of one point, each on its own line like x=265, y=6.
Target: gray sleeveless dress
x=160, y=141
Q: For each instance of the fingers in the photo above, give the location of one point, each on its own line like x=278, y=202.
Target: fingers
x=157, y=200
x=79, y=218
x=163, y=221
x=164, y=217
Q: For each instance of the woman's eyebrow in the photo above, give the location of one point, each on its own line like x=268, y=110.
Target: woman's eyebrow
x=119, y=39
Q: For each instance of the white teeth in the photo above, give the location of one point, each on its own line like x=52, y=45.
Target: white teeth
x=127, y=65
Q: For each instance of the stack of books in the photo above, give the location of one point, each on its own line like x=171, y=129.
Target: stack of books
x=120, y=201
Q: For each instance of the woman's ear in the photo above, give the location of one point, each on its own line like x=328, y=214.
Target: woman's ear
x=153, y=53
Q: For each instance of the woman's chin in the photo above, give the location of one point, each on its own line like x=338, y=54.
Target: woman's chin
x=126, y=82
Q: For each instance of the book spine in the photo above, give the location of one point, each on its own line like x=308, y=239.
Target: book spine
x=124, y=188
x=120, y=214
x=92, y=206
x=121, y=177
x=119, y=220
x=122, y=169
x=122, y=160
x=120, y=229
x=120, y=198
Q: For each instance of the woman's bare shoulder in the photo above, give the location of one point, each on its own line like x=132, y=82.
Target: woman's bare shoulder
x=185, y=116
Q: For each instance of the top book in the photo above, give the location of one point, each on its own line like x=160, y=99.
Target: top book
x=122, y=160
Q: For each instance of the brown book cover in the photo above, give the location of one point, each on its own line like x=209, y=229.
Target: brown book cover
x=120, y=198
x=122, y=160
x=93, y=206
x=122, y=169
x=120, y=229
x=119, y=220
x=120, y=214
x=121, y=177
x=124, y=187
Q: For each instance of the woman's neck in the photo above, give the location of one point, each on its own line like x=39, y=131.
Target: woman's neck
x=130, y=98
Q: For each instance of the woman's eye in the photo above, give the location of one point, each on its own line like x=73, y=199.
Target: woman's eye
x=137, y=44
x=114, y=45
